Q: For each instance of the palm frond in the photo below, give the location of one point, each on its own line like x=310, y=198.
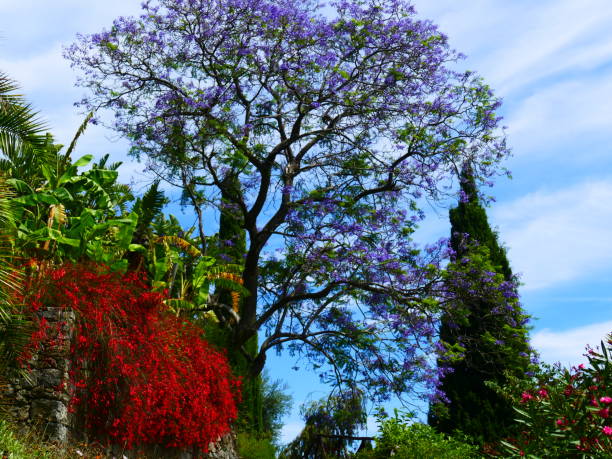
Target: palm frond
x=19, y=124
x=14, y=328
x=149, y=207
x=78, y=134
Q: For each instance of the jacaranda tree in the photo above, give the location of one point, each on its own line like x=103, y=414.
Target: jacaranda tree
x=334, y=122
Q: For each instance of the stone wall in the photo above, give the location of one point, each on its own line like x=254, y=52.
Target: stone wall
x=224, y=448
x=38, y=398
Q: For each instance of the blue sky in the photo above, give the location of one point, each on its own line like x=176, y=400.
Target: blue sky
x=550, y=60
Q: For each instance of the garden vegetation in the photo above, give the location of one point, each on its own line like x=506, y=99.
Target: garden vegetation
x=304, y=142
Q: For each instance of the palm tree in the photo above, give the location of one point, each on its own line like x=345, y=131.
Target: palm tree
x=21, y=130
x=21, y=133
x=14, y=327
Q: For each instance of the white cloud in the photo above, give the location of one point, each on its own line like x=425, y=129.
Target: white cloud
x=568, y=346
x=564, y=112
x=558, y=236
x=545, y=37
x=46, y=70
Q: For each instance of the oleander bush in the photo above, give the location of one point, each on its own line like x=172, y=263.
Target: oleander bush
x=564, y=412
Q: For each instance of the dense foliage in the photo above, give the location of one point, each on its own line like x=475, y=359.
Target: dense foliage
x=140, y=374
x=401, y=438
x=486, y=326
x=564, y=412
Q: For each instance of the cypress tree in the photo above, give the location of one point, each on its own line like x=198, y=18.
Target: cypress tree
x=486, y=325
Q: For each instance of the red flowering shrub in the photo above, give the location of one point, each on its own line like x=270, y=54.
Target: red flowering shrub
x=140, y=374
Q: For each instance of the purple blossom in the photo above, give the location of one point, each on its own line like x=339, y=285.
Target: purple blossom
x=331, y=124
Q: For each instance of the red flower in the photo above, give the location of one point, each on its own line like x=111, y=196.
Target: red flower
x=143, y=375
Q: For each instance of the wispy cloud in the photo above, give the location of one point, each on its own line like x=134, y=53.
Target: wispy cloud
x=561, y=113
x=568, y=346
x=30, y=26
x=514, y=44
x=558, y=236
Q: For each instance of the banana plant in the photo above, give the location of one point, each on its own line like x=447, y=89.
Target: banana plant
x=189, y=277
x=73, y=214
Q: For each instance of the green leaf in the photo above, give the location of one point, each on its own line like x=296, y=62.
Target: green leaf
x=59, y=237
x=36, y=198
x=137, y=248
x=509, y=445
x=83, y=161
x=71, y=172
x=119, y=266
x=63, y=195
x=102, y=175
x=47, y=173
x=177, y=304
x=160, y=268
x=21, y=186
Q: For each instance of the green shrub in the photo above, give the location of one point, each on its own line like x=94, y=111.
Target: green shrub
x=252, y=447
x=401, y=440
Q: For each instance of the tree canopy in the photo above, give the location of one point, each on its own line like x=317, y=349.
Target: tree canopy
x=320, y=129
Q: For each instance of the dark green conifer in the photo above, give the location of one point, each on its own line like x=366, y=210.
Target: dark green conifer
x=484, y=325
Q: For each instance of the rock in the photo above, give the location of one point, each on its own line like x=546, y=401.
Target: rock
x=224, y=448
x=56, y=432
x=51, y=411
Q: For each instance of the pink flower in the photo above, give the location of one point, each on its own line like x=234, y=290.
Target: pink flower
x=593, y=402
x=605, y=399
x=525, y=397
x=543, y=393
x=607, y=430
x=581, y=366
x=604, y=413
x=561, y=422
